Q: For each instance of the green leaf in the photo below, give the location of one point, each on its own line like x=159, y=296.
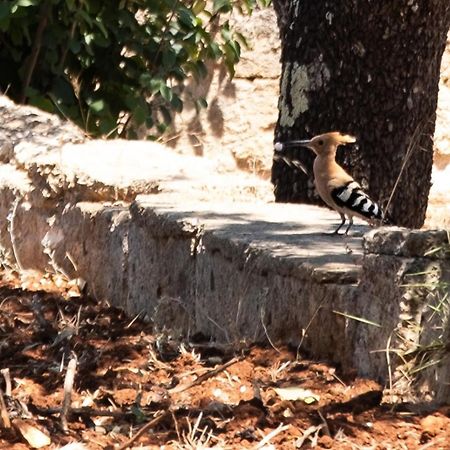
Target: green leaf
x=97, y=106
x=83, y=15
x=169, y=58
x=74, y=46
x=234, y=45
x=26, y=3
x=166, y=92
x=149, y=122
x=89, y=38
x=215, y=51
x=186, y=18
x=99, y=23
x=162, y=127
x=199, y=6
x=71, y=5
x=139, y=115
x=230, y=67
x=225, y=32
x=116, y=64
x=42, y=103
x=167, y=117
x=176, y=103
x=201, y=69
x=107, y=124
x=201, y=103
x=222, y=6
x=155, y=85
x=4, y=10
x=62, y=91
x=242, y=39
x=131, y=101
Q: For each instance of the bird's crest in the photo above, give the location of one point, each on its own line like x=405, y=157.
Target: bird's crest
x=341, y=138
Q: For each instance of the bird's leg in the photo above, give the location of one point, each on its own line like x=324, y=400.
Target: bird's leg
x=349, y=225
x=340, y=225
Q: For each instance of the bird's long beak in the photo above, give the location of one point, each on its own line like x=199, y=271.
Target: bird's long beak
x=280, y=146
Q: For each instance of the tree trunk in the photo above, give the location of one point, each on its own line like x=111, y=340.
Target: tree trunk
x=368, y=68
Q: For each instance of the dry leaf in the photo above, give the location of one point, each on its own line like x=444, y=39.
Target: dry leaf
x=74, y=292
x=287, y=413
x=33, y=435
x=74, y=446
x=294, y=393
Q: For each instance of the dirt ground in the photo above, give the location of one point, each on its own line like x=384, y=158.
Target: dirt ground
x=134, y=388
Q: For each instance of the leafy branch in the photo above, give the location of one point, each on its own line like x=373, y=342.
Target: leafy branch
x=113, y=67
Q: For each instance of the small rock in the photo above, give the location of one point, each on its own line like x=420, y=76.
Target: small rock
x=431, y=425
x=326, y=441
x=6, y=152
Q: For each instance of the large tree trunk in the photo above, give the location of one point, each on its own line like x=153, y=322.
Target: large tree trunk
x=368, y=68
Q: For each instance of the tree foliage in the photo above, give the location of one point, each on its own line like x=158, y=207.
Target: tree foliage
x=113, y=66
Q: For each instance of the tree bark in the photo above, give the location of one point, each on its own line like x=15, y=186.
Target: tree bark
x=368, y=68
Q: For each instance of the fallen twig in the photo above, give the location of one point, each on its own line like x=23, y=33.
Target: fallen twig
x=143, y=429
x=326, y=429
x=7, y=376
x=333, y=374
x=84, y=411
x=271, y=435
x=306, y=434
x=205, y=376
x=68, y=387
x=175, y=422
x=136, y=317
x=433, y=443
x=11, y=217
x=6, y=422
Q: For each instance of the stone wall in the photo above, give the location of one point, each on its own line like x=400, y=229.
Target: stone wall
x=410, y=276
x=237, y=127
x=438, y=213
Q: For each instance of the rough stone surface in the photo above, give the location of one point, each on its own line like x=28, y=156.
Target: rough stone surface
x=438, y=214
x=408, y=243
x=175, y=262
x=442, y=134
x=237, y=127
x=27, y=124
x=408, y=297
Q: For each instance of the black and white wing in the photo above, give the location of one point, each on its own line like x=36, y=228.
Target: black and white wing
x=353, y=198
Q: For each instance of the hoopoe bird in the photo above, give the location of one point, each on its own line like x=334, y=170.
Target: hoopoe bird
x=335, y=186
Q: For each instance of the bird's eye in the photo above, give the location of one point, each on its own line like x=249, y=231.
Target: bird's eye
x=320, y=142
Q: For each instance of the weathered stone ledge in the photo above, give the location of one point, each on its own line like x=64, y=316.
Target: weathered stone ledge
x=201, y=253
x=236, y=271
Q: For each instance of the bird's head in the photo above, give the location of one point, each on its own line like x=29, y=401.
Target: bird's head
x=321, y=144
